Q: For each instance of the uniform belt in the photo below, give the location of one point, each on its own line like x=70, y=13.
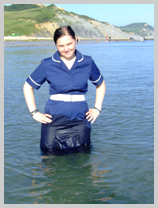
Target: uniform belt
x=67, y=97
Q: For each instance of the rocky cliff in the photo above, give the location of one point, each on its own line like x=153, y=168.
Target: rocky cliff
x=84, y=27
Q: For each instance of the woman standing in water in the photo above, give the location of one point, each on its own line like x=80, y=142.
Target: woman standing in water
x=66, y=122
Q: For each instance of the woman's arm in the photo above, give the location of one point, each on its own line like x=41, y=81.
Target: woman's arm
x=93, y=113
x=30, y=101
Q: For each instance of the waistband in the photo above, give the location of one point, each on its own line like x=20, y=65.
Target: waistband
x=67, y=97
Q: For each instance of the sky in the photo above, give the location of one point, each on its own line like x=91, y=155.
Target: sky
x=114, y=14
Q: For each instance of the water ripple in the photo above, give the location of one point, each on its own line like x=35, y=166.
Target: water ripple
x=119, y=168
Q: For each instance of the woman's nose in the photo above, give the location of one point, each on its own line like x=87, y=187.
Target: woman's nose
x=66, y=48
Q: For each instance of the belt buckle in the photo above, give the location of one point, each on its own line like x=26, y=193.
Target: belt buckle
x=71, y=98
x=68, y=98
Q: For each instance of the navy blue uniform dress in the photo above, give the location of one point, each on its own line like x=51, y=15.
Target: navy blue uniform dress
x=69, y=127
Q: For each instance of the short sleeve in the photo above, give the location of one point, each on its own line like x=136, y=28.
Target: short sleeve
x=95, y=77
x=38, y=77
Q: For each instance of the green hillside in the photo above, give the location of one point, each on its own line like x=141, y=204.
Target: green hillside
x=21, y=18
x=23, y=22
x=19, y=7
x=139, y=28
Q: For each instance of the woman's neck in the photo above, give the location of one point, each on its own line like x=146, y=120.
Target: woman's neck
x=72, y=58
x=68, y=63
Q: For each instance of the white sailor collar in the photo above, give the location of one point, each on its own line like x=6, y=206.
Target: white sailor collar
x=56, y=56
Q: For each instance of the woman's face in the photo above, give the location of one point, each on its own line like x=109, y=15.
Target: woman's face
x=66, y=47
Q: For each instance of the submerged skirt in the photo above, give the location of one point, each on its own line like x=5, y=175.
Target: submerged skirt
x=65, y=132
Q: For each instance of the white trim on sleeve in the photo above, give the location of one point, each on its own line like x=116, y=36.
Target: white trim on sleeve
x=34, y=81
x=97, y=79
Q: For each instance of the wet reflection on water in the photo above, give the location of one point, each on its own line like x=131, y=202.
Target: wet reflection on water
x=73, y=171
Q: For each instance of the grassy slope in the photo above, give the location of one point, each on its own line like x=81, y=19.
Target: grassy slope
x=19, y=7
x=23, y=22
x=30, y=17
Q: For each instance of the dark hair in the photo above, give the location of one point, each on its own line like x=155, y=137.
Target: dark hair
x=62, y=31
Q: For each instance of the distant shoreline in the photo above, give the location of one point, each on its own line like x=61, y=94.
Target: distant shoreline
x=25, y=38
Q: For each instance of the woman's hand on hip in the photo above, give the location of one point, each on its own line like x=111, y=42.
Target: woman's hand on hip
x=42, y=118
x=92, y=114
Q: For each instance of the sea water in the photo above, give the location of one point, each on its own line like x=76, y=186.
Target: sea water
x=119, y=166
